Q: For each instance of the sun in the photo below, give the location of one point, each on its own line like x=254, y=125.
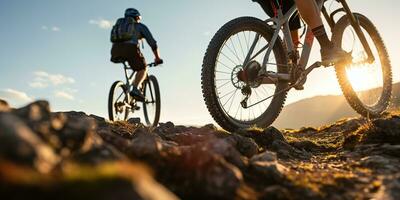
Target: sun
x=364, y=77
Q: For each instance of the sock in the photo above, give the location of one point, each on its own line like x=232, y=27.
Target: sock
x=322, y=37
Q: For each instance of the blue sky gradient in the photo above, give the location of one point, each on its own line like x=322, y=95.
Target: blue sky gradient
x=59, y=50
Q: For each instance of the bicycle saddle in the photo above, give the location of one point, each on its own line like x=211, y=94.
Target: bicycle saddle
x=118, y=60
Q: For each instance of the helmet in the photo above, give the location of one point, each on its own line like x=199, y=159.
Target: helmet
x=131, y=12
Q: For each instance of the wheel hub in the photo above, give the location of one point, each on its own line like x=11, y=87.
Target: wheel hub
x=249, y=74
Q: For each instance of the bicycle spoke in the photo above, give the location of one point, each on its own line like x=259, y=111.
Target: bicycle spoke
x=234, y=48
x=230, y=97
x=233, y=62
x=247, y=43
x=222, y=79
x=226, y=83
x=240, y=43
x=227, y=94
x=224, y=65
x=234, y=52
x=233, y=99
x=223, y=72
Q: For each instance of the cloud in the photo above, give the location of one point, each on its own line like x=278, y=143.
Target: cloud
x=14, y=96
x=102, y=23
x=54, y=28
x=44, y=79
x=64, y=95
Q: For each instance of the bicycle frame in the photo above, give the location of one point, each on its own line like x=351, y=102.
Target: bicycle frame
x=129, y=80
x=282, y=22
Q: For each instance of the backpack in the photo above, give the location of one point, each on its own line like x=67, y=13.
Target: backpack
x=123, y=30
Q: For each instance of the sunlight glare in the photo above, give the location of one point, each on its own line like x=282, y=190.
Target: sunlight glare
x=362, y=77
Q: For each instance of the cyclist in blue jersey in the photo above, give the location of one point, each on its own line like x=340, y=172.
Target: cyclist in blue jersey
x=130, y=51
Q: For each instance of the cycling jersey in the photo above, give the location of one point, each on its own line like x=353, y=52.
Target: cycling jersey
x=143, y=32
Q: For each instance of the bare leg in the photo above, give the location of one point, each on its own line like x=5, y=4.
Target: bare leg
x=310, y=12
x=139, y=78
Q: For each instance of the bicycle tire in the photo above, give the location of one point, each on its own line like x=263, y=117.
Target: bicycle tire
x=111, y=108
x=155, y=90
x=345, y=84
x=208, y=83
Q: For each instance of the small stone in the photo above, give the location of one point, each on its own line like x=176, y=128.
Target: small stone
x=134, y=120
x=266, y=156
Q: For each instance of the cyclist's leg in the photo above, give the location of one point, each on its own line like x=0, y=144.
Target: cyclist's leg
x=139, y=78
x=138, y=64
x=310, y=12
x=294, y=23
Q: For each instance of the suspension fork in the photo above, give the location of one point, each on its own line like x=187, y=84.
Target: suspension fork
x=356, y=25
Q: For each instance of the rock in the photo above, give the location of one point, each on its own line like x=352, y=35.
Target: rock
x=164, y=128
x=246, y=146
x=275, y=192
x=266, y=156
x=286, y=151
x=98, y=119
x=209, y=175
x=145, y=145
x=4, y=107
x=77, y=133
x=382, y=131
x=38, y=118
x=375, y=162
x=107, y=181
x=310, y=146
x=20, y=145
x=267, y=166
x=189, y=138
x=390, y=190
x=34, y=112
x=134, y=121
x=264, y=138
x=391, y=150
x=223, y=148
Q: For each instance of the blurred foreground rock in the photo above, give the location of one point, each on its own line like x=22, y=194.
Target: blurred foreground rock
x=71, y=155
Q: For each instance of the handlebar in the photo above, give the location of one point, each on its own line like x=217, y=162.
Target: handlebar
x=154, y=64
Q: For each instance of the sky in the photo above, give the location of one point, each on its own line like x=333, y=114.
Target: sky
x=59, y=50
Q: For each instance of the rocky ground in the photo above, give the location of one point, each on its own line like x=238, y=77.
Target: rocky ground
x=46, y=155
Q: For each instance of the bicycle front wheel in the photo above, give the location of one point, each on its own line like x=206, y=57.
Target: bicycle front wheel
x=152, y=104
x=117, y=102
x=366, y=86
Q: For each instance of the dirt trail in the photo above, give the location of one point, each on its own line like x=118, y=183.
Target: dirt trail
x=46, y=155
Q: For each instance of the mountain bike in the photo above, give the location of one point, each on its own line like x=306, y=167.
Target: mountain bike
x=121, y=104
x=248, y=69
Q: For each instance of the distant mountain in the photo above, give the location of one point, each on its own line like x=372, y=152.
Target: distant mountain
x=321, y=110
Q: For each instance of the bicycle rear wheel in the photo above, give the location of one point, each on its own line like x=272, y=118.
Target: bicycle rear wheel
x=366, y=86
x=223, y=62
x=117, y=102
x=152, y=105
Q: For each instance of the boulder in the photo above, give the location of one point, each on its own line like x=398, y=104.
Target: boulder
x=19, y=144
x=4, y=107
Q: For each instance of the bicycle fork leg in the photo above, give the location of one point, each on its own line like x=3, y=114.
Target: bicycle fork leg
x=354, y=22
